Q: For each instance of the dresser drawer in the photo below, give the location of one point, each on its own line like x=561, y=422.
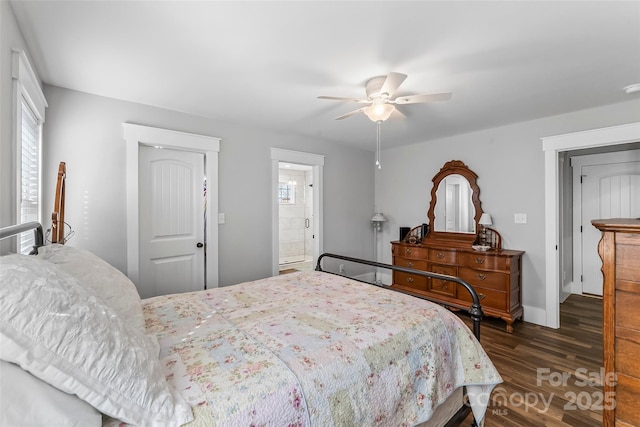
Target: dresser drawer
x=627, y=349
x=443, y=287
x=627, y=256
x=626, y=304
x=411, y=263
x=413, y=252
x=488, y=297
x=485, y=279
x=414, y=281
x=484, y=261
x=442, y=256
x=627, y=391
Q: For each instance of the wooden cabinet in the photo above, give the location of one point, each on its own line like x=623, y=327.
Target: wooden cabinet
x=619, y=249
x=495, y=275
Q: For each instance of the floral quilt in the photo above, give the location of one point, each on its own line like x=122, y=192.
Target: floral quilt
x=315, y=349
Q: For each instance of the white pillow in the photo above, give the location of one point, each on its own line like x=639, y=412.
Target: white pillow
x=60, y=331
x=115, y=289
x=27, y=401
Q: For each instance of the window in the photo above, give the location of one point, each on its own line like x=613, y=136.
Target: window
x=29, y=106
x=29, y=174
x=286, y=193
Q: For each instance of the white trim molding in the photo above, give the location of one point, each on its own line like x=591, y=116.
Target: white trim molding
x=552, y=146
x=316, y=161
x=137, y=135
x=29, y=85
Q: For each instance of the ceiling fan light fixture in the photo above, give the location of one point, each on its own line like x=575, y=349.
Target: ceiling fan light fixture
x=379, y=112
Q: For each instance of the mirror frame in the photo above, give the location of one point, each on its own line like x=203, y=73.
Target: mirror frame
x=453, y=238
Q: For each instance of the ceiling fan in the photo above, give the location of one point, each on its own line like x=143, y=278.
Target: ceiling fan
x=380, y=101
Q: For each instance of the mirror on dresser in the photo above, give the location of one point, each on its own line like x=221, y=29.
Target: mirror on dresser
x=455, y=208
x=454, y=215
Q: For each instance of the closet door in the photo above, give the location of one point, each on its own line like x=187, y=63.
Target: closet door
x=608, y=191
x=172, y=214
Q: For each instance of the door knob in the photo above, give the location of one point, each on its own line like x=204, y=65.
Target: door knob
x=199, y=245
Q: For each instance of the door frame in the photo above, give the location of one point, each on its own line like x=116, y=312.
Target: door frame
x=552, y=147
x=316, y=161
x=137, y=135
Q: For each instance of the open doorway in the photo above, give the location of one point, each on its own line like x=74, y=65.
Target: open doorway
x=295, y=202
x=313, y=164
x=605, y=185
x=556, y=148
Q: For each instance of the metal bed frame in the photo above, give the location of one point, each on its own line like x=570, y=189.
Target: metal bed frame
x=13, y=230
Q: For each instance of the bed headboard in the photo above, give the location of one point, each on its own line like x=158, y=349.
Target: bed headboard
x=57, y=217
x=14, y=230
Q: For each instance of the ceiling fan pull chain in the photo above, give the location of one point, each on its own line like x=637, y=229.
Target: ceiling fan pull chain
x=378, y=145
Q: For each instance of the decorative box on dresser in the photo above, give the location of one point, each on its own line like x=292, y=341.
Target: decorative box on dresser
x=619, y=249
x=494, y=274
x=456, y=228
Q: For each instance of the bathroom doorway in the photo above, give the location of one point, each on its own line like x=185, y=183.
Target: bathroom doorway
x=295, y=222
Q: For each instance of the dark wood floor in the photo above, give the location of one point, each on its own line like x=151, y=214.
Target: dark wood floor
x=551, y=376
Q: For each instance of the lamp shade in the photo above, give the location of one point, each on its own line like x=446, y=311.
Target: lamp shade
x=379, y=112
x=485, y=219
x=378, y=217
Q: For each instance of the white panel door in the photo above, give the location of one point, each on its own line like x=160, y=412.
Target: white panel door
x=608, y=191
x=172, y=214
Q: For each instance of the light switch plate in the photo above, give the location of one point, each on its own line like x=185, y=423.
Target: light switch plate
x=220, y=218
x=520, y=218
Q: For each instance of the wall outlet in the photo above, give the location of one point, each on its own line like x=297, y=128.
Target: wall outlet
x=520, y=218
x=341, y=268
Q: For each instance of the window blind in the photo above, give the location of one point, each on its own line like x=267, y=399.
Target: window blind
x=30, y=174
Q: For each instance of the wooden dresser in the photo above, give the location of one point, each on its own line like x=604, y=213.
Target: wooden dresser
x=495, y=275
x=620, y=253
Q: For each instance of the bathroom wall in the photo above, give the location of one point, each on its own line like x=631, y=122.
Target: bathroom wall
x=292, y=217
x=308, y=213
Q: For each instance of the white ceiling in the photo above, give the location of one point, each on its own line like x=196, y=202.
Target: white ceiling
x=263, y=63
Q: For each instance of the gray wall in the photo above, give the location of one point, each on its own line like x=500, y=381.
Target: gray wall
x=509, y=162
x=85, y=131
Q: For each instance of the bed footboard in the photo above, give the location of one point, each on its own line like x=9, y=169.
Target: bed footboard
x=475, y=311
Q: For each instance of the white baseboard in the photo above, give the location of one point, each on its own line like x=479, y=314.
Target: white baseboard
x=383, y=278
x=535, y=315
x=367, y=277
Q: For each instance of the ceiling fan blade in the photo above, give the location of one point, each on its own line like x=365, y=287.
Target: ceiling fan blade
x=392, y=83
x=398, y=113
x=351, y=113
x=415, y=99
x=338, y=98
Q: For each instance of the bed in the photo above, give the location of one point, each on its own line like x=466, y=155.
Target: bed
x=302, y=349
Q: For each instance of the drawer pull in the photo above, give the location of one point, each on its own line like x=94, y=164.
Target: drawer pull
x=409, y=279
x=481, y=276
x=479, y=260
x=407, y=251
x=481, y=296
x=409, y=264
x=440, y=255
